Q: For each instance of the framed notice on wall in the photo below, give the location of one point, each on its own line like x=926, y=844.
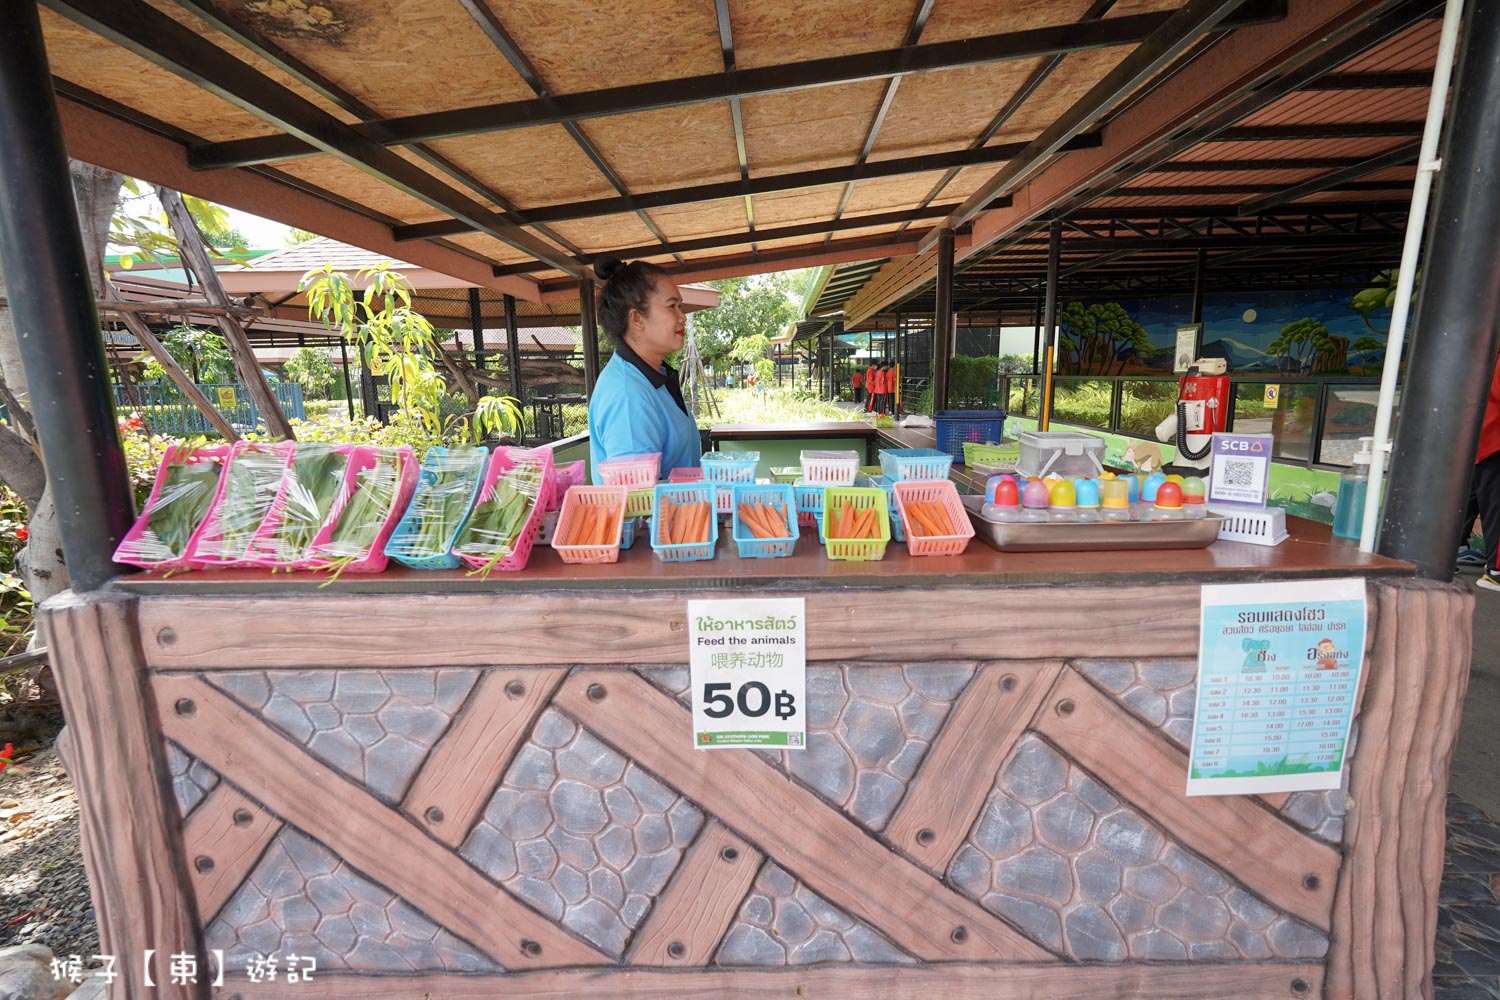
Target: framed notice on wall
x=748, y=661
x=1278, y=673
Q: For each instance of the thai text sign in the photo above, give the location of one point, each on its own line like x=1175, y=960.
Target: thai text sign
x=748, y=663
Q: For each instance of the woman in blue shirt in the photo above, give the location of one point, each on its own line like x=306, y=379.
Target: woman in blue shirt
x=637, y=405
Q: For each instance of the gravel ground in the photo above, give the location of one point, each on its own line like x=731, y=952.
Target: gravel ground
x=44, y=891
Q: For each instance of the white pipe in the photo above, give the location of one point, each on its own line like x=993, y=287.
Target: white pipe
x=1427, y=165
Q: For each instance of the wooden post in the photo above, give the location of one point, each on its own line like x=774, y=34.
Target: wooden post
x=1049, y=323
x=195, y=256
x=942, y=322
x=590, y=326
x=128, y=817
x=513, y=347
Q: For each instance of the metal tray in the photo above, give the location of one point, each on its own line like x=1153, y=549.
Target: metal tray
x=1099, y=536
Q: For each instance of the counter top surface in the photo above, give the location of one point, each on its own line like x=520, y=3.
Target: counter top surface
x=822, y=428
x=1309, y=552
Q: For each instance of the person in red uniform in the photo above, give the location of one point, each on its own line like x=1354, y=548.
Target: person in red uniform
x=880, y=389
x=1484, y=491
x=870, y=388
x=856, y=382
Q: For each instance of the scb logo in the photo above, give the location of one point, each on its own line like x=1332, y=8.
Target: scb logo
x=1251, y=447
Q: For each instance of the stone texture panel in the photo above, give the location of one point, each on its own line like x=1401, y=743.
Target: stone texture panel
x=868, y=728
x=1089, y=877
x=581, y=833
x=303, y=900
x=782, y=922
x=192, y=779
x=376, y=726
x=1163, y=694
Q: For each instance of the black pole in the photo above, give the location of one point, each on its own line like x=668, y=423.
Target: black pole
x=942, y=321
x=1049, y=322
x=1199, y=273
x=590, y=334
x=348, y=386
x=1457, y=322
x=52, y=306
x=476, y=325
x=513, y=347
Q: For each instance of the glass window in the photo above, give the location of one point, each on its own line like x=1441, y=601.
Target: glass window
x=1350, y=415
x=1143, y=405
x=1083, y=401
x=1025, y=398
x=1288, y=417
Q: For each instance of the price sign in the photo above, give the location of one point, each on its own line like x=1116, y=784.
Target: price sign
x=748, y=661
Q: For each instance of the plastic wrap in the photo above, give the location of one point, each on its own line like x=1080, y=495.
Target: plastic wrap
x=186, y=483
x=446, y=489
x=503, y=526
x=248, y=490
x=312, y=485
x=377, y=486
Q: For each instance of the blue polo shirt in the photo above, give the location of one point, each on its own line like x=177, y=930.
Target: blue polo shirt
x=635, y=410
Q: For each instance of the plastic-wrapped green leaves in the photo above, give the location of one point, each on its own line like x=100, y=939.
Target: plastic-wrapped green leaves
x=313, y=483
x=377, y=489
x=495, y=526
x=441, y=502
x=181, y=502
x=251, y=485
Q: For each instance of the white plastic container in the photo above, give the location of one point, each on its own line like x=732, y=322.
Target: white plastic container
x=830, y=468
x=1256, y=525
x=1060, y=453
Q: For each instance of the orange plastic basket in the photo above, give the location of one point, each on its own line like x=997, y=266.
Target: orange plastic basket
x=611, y=497
x=945, y=494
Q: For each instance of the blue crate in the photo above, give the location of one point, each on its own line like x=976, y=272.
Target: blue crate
x=410, y=523
x=773, y=494
x=729, y=467
x=685, y=493
x=955, y=427
x=809, y=498
x=898, y=530
x=915, y=463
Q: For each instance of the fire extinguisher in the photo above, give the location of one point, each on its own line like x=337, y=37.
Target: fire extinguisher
x=1202, y=411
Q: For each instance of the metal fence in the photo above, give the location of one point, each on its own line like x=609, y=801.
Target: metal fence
x=165, y=410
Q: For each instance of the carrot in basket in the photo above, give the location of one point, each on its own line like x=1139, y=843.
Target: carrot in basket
x=865, y=525
x=602, y=530
x=583, y=525
x=700, y=526
x=664, y=523
x=749, y=519
x=921, y=520
x=777, y=526
x=687, y=523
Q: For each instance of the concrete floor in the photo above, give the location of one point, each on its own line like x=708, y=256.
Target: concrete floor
x=1477, y=758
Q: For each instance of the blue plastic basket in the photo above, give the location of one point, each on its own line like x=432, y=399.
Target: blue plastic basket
x=774, y=495
x=955, y=427
x=727, y=468
x=915, y=463
x=685, y=493
x=809, y=498
x=898, y=530
x=411, y=521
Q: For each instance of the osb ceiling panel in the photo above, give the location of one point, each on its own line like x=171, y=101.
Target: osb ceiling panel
x=82, y=57
x=359, y=187
x=580, y=45
x=808, y=129
x=967, y=181
x=652, y=150
x=612, y=232
x=400, y=58
x=531, y=167
x=888, y=193
x=1063, y=87
x=496, y=250
x=777, y=32
x=949, y=109
x=955, y=19
x=789, y=208
x=712, y=218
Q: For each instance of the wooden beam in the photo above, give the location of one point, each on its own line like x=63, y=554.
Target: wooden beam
x=956, y=776
x=357, y=827
x=695, y=911
x=225, y=838
x=957, y=981
x=1289, y=869
x=643, y=627
x=463, y=770
x=824, y=848
x=130, y=824
x=180, y=378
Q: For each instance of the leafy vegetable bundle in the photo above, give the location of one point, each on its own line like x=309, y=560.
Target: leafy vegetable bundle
x=495, y=526
x=442, y=502
x=251, y=485
x=182, y=501
x=364, y=511
x=313, y=484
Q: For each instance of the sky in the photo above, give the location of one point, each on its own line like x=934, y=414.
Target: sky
x=263, y=234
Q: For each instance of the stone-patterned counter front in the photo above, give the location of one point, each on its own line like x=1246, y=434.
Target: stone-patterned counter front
x=958, y=826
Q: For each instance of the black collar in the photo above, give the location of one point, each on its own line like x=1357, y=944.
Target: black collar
x=667, y=377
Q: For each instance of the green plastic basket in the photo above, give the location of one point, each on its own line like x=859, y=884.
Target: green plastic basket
x=640, y=501
x=991, y=454
x=860, y=498
x=787, y=474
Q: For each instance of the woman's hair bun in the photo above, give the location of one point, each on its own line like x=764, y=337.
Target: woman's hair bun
x=607, y=267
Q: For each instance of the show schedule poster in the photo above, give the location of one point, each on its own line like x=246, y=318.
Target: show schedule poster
x=1278, y=672
x=748, y=666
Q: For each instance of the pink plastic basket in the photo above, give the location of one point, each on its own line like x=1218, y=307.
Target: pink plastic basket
x=690, y=475
x=631, y=470
x=209, y=548
x=611, y=497
x=267, y=549
x=139, y=546
x=501, y=464
x=942, y=492
x=323, y=552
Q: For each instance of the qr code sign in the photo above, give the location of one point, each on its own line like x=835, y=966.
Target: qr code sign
x=1239, y=471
